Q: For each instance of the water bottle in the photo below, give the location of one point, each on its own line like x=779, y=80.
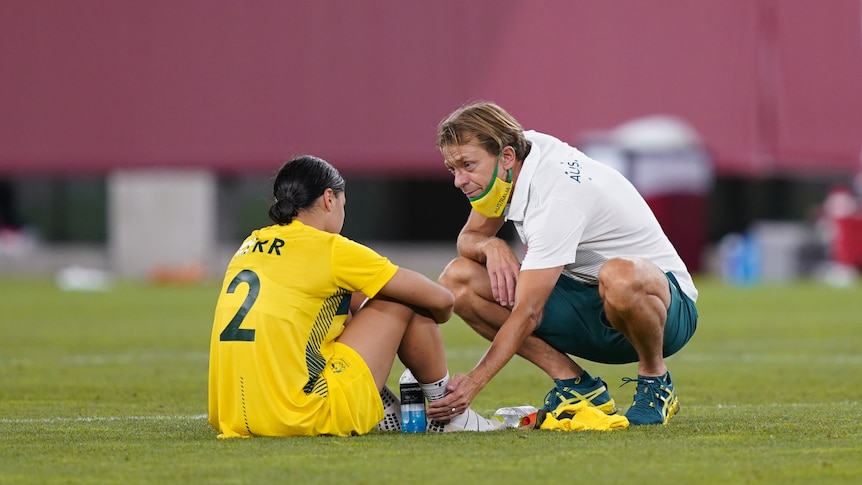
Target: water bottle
x=515, y=417
x=740, y=259
x=412, y=404
x=751, y=260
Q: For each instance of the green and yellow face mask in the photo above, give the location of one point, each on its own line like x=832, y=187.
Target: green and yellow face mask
x=492, y=201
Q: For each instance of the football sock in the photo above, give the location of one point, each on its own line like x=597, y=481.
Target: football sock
x=585, y=380
x=434, y=391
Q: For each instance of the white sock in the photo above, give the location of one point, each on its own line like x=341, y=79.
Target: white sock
x=434, y=391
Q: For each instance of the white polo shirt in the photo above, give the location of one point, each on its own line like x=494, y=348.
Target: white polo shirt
x=573, y=211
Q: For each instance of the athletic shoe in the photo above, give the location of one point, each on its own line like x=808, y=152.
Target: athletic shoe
x=467, y=421
x=655, y=401
x=596, y=394
x=391, y=411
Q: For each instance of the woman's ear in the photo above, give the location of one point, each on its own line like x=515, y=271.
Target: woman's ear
x=328, y=199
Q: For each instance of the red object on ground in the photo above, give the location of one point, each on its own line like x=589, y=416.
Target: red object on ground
x=847, y=244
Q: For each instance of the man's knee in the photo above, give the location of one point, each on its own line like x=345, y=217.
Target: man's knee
x=464, y=278
x=618, y=275
x=622, y=280
x=457, y=274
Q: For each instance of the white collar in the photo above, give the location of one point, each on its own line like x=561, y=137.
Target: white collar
x=518, y=204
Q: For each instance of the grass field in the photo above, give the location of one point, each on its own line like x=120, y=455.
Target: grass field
x=111, y=388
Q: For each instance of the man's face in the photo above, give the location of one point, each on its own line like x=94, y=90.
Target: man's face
x=471, y=165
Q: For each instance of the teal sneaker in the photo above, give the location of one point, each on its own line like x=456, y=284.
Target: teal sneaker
x=583, y=388
x=655, y=401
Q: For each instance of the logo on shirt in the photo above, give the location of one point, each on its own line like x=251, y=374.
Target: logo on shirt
x=573, y=170
x=338, y=366
x=246, y=246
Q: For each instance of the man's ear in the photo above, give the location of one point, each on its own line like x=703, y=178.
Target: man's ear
x=508, y=157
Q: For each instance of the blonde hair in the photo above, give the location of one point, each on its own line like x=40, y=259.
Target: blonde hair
x=488, y=123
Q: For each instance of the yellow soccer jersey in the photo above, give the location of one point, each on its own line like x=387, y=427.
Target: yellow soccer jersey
x=284, y=301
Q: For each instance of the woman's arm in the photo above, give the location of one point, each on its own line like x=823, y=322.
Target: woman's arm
x=416, y=290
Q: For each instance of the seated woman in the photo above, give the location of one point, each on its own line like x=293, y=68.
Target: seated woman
x=308, y=324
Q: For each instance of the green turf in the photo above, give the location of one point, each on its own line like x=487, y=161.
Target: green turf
x=111, y=388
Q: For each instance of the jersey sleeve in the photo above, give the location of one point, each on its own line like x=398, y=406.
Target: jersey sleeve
x=360, y=268
x=552, y=232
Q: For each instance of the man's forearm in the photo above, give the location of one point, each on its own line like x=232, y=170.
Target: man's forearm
x=476, y=235
x=505, y=345
x=471, y=245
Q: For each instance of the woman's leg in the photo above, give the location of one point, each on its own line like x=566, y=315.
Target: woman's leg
x=375, y=332
x=422, y=350
x=383, y=328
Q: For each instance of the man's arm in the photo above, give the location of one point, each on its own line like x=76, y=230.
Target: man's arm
x=477, y=241
x=479, y=235
x=534, y=288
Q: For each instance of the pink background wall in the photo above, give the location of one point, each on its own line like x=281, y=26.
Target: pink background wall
x=93, y=85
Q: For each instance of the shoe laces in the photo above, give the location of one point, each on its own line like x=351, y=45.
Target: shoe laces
x=551, y=394
x=573, y=395
x=652, y=389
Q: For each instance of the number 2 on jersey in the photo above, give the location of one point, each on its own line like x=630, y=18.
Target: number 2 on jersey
x=232, y=333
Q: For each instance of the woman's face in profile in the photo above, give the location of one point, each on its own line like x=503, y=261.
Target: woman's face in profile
x=336, y=219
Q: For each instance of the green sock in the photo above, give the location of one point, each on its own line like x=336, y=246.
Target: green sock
x=585, y=380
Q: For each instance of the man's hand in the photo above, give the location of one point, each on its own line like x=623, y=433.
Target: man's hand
x=477, y=241
x=503, y=268
x=462, y=389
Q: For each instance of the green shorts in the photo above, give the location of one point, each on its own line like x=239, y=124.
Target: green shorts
x=575, y=323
